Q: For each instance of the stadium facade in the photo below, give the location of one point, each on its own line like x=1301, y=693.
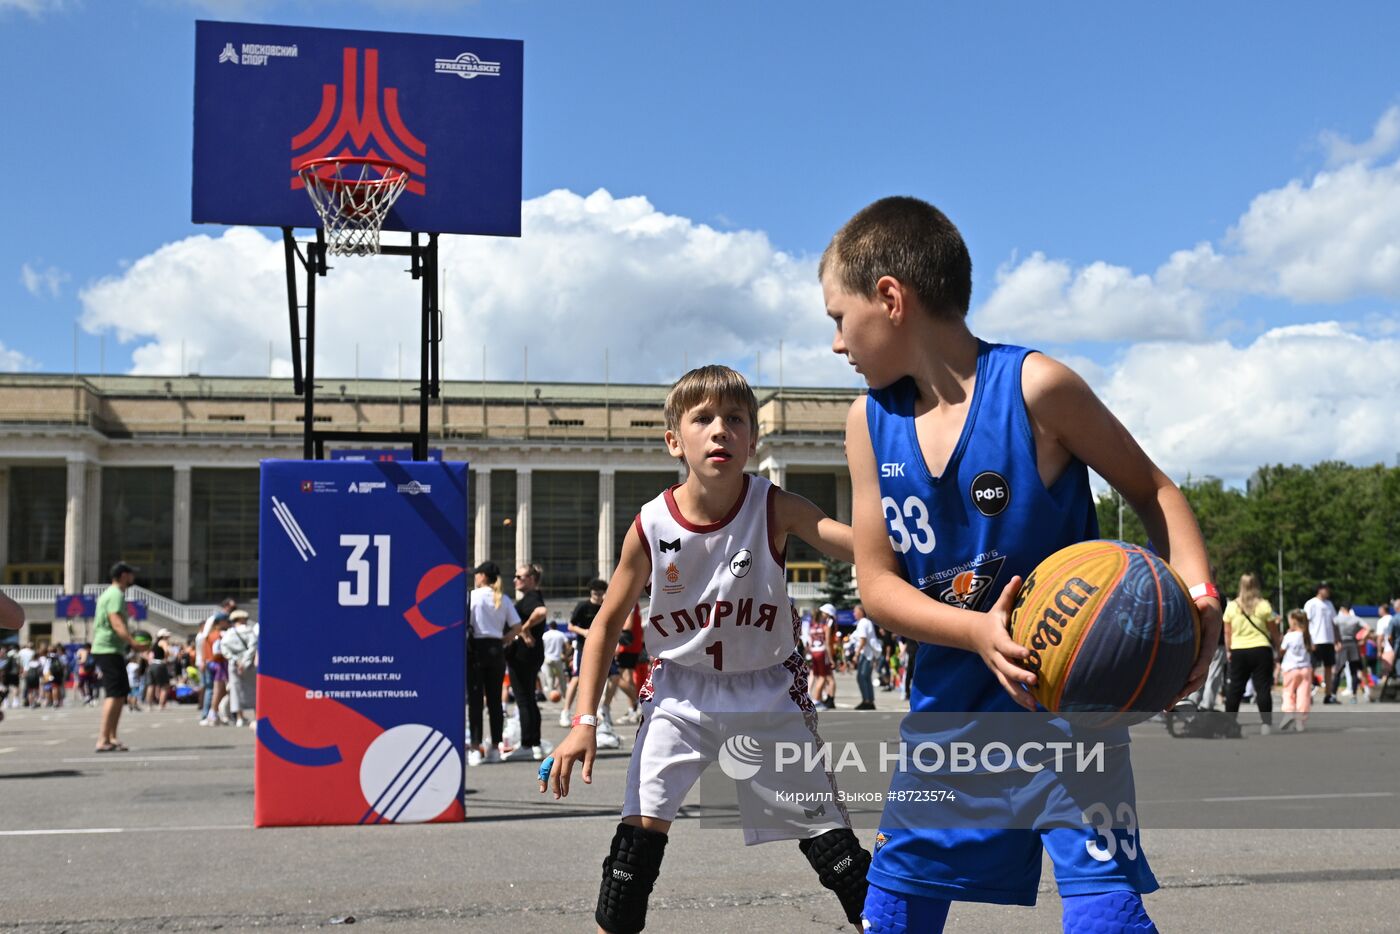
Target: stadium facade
x=163, y=472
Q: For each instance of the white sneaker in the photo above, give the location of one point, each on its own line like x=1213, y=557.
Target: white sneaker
x=565, y=719
x=1264, y=729
x=206, y=722
x=632, y=716
x=607, y=739
x=537, y=753
x=473, y=757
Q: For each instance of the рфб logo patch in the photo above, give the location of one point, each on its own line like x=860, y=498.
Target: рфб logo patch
x=990, y=493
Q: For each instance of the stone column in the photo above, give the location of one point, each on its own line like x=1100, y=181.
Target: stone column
x=607, y=543
x=777, y=473
x=843, y=497
x=180, y=569
x=523, y=547
x=4, y=519
x=73, y=533
x=483, y=518
x=93, y=572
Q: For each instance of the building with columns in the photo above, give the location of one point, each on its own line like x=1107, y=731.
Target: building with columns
x=163, y=473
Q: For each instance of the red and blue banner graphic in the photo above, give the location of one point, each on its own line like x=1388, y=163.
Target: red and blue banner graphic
x=362, y=642
x=75, y=606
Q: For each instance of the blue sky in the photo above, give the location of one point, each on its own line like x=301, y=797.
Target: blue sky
x=1078, y=146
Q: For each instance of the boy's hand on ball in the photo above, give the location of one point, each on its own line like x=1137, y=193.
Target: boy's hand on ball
x=1002, y=654
x=580, y=745
x=1211, y=623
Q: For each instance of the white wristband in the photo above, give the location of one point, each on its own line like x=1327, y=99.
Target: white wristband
x=585, y=719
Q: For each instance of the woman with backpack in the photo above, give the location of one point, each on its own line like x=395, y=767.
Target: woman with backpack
x=1251, y=640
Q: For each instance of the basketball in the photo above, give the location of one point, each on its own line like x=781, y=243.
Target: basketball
x=1111, y=629
x=554, y=697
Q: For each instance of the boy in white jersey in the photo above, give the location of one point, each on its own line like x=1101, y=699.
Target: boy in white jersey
x=724, y=638
x=942, y=407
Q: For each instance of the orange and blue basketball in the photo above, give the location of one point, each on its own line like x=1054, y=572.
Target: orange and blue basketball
x=1111, y=630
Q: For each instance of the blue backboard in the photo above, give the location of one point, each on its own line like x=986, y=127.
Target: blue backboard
x=269, y=97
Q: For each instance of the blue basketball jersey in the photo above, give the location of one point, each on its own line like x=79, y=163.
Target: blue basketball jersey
x=961, y=536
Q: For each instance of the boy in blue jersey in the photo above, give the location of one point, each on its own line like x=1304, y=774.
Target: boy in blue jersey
x=968, y=467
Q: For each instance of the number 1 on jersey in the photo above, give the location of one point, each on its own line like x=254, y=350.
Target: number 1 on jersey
x=716, y=651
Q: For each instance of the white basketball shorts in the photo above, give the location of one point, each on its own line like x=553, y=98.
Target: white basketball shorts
x=689, y=715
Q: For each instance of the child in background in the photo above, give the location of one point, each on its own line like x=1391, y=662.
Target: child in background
x=1297, y=649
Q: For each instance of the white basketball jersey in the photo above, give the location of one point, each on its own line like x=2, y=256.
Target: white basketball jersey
x=718, y=592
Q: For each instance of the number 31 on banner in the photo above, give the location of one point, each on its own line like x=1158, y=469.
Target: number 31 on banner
x=355, y=592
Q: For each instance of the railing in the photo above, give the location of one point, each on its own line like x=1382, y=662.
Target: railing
x=468, y=429
x=31, y=593
x=187, y=614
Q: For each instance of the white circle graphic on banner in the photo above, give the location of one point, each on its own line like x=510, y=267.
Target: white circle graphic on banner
x=410, y=774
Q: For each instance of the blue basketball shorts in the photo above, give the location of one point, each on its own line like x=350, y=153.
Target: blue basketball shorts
x=1107, y=913
x=992, y=852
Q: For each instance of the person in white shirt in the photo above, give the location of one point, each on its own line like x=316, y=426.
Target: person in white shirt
x=240, y=647
x=1385, y=647
x=867, y=650
x=1322, y=629
x=1296, y=662
x=556, y=678
x=494, y=622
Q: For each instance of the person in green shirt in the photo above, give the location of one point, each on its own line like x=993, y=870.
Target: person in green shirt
x=111, y=638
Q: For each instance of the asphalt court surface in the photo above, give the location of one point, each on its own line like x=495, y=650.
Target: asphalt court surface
x=161, y=838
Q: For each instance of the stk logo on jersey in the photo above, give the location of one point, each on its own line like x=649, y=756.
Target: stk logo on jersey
x=969, y=589
x=357, y=127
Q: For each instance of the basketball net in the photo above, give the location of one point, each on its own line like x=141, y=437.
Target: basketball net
x=352, y=195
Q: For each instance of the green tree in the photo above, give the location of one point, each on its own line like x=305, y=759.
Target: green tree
x=837, y=589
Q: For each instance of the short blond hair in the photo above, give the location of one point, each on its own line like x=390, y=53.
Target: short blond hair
x=713, y=383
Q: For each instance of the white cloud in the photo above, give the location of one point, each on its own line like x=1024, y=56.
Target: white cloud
x=12, y=361
x=1330, y=239
x=1297, y=394
x=1045, y=300
x=1384, y=139
x=39, y=282
x=34, y=8
x=588, y=274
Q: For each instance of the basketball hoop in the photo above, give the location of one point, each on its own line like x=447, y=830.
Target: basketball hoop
x=353, y=194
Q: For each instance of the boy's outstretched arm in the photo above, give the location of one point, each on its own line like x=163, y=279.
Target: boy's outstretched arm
x=797, y=515
x=902, y=608
x=1066, y=411
x=633, y=569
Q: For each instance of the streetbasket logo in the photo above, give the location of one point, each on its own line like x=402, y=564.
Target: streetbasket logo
x=740, y=757
x=413, y=488
x=367, y=486
x=467, y=65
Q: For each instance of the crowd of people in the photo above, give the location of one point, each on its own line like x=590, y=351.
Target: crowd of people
x=514, y=642
x=1318, y=648
x=214, y=671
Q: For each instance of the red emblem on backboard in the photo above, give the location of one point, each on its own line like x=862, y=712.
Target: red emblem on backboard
x=352, y=122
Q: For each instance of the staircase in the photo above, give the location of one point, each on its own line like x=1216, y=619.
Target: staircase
x=184, y=618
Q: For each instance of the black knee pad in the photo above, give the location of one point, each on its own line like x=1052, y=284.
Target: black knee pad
x=841, y=864
x=628, y=875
